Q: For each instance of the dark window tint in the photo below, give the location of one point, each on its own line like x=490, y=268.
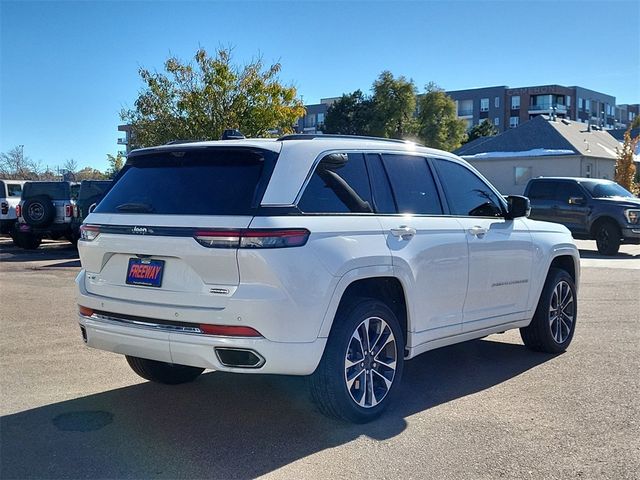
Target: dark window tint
x=413, y=185
x=55, y=190
x=339, y=184
x=541, y=190
x=382, y=196
x=467, y=194
x=565, y=190
x=14, y=189
x=91, y=189
x=606, y=189
x=193, y=182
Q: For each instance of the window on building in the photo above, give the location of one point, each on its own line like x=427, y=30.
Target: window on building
x=515, y=102
x=587, y=105
x=484, y=104
x=587, y=172
x=497, y=102
x=522, y=175
x=310, y=120
x=496, y=121
x=514, y=121
x=465, y=108
x=320, y=118
x=568, y=101
x=580, y=103
x=340, y=184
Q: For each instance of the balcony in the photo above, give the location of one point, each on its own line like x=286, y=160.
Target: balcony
x=547, y=107
x=122, y=141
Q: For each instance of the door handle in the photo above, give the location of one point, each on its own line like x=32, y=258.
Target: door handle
x=404, y=232
x=478, y=231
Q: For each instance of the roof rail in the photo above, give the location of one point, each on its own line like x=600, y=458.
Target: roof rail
x=177, y=142
x=311, y=136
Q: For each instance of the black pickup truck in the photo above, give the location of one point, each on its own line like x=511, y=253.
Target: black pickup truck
x=593, y=209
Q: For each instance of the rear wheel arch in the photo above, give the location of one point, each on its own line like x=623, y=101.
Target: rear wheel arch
x=387, y=289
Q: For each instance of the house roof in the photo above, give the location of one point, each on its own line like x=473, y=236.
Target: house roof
x=541, y=136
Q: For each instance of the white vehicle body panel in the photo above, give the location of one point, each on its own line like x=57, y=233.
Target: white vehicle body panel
x=457, y=285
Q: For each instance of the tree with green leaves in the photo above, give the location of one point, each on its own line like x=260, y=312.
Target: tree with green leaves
x=483, y=129
x=200, y=99
x=115, y=165
x=350, y=115
x=439, y=125
x=394, y=106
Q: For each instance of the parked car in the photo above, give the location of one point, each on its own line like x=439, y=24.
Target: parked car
x=329, y=256
x=591, y=208
x=10, y=191
x=45, y=210
x=89, y=195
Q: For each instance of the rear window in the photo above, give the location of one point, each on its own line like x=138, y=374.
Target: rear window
x=192, y=182
x=91, y=190
x=55, y=190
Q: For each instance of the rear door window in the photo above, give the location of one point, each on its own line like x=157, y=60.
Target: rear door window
x=413, y=186
x=339, y=184
x=541, y=190
x=191, y=182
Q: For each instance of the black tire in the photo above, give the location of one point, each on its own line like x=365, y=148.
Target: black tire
x=607, y=235
x=162, y=372
x=38, y=211
x=541, y=335
x=28, y=241
x=329, y=382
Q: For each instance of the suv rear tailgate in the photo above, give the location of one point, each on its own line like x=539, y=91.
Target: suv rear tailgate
x=192, y=275
x=149, y=220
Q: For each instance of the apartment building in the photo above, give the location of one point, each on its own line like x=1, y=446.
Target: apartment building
x=507, y=107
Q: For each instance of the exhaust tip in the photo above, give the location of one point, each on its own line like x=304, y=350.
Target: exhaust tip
x=239, y=357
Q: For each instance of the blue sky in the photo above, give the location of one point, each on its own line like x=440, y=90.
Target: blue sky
x=67, y=68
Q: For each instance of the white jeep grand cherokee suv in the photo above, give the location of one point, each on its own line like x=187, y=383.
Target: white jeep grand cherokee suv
x=334, y=257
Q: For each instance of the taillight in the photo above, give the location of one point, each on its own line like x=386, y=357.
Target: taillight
x=89, y=232
x=228, y=331
x=68, y=211
x=253, y=238
x=4, y=208
x=18, y=211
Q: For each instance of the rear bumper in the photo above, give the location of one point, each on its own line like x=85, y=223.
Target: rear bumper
x=51, y=228
x=200, y=350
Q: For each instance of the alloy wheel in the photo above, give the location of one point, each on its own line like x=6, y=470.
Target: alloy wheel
x=561, y=312
x=370, y=362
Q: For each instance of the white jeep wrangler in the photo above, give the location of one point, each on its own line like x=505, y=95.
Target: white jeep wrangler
x=329, y=256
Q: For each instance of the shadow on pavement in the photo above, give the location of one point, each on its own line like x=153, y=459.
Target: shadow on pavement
x=49, y=250
x=617, y=256
x=229, y=426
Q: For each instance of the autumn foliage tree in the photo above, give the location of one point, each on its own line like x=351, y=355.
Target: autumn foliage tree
x=200, y=99
x=625, y=166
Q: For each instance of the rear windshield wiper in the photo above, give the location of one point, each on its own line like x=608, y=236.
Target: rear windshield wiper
x=135, y=207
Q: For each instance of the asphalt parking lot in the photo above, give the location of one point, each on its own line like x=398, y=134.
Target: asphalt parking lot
x=484, y=409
